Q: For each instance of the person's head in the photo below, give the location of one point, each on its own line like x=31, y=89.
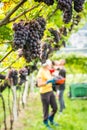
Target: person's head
x=56, y=64
x=62, y=62
x=53, y=63
x=47, y=64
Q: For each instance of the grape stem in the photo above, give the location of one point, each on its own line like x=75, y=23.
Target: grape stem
x=10, y=65
x=6, y=55
x=7, y=18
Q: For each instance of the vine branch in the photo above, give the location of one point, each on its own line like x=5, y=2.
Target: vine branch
x=6, y=55
x=23, y=13
x=7, y=18
x=10, y=65
x=49, y=16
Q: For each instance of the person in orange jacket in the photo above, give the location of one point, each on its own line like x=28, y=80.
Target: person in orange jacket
x=61, y=88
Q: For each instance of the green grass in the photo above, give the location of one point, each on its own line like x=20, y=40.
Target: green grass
x=74, y=116
x=5, y=96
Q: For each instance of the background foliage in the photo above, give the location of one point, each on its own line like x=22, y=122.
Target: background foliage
x=75, y=63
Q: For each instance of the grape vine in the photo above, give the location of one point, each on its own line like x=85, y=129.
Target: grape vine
x=46, y=50
x=27, y=36
x=66, y=7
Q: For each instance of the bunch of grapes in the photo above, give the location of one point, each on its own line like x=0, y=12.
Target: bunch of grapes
x=48, y=2
x=63, y=43
x=46, y=50
x=28, y=69
x=55, y=34
x=76, y=21
x=2, y=76
x=20, y=35
x=66, y=7
x=56, y=47
x=13, y=74
x=67, y=16
x=33, y=32
x=20, y=52
x=32, y=48
x=63, y=30
x=32, y=52
x=33, y=68
x=3, y=86
x=22, y=75
x=44, y=54
x=78, y=5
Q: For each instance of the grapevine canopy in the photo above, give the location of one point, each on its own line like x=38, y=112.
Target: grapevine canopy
x=57, y=17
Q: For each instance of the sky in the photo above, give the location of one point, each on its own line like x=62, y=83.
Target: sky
x=79, y=39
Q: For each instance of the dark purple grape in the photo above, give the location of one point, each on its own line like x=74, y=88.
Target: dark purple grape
x=55, y=34
x=66, y=7
x=78, y=5
x=27, y=37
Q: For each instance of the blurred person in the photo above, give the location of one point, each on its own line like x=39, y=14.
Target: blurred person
x=61, y=88
x=56, y=78
x=47, y=95
x=58, y=81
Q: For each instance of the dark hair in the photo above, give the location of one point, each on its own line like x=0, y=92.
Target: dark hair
x=53, y=63
x=58, y=68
